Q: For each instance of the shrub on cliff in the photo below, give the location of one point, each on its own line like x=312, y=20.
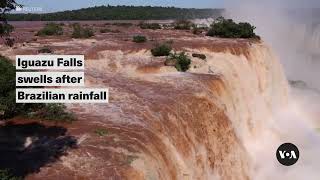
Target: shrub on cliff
x=227, y=28
x=80, y=32
x=180, y=61
x=51, y=29
x=161, y=50
x=139, y=39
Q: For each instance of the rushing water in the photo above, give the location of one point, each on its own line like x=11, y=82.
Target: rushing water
x=296, y=41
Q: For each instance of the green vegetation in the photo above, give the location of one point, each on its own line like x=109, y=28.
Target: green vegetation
x=181, y=60
x=80, y=32
x=200, y=56
x=139, y=39
x=6, y=175
x=5, y=28
x=121, y=13
x=183, y=25
x=106, y=30
x=153, y=26
x=45, y=50
x=101, y=132
x=51, y=29
x=53, y=112
x=161, y=50
x=8, y=106
x=227, y=28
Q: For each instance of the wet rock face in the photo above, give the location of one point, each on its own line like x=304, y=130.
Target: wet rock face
x=161, y=124
x=170, y=62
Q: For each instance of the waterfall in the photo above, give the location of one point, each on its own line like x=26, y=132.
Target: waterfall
x=210, y=123
x=295, y=40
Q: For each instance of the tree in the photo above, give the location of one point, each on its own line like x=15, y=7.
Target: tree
x=5, y=28
x=121, y=13
x=227, y=28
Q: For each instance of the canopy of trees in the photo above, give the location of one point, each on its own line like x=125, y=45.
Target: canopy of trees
x=120, y=13
x=8, y=106
x=227, y=28
x=5, y=28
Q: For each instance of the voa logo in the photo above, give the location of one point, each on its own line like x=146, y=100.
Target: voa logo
x=284, y=154
x=288, y=154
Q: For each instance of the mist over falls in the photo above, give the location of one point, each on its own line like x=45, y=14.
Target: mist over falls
x=292, y=30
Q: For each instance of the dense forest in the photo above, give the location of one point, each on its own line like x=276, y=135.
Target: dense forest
x=120, y=13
